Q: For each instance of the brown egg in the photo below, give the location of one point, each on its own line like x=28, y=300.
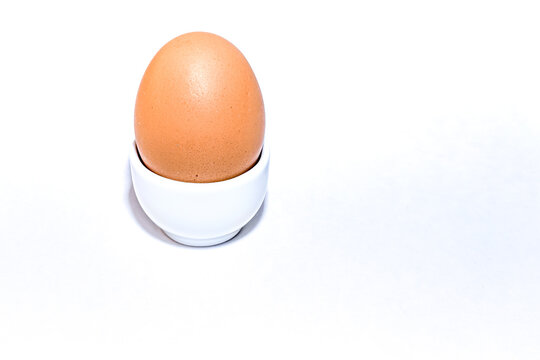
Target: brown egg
x=199, y=114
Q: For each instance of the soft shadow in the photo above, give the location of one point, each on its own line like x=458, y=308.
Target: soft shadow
x=153, y=230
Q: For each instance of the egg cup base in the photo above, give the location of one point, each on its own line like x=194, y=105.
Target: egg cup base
x=200, y=214
x=201, y=242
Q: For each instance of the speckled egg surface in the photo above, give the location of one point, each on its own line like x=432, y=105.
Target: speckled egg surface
x=199, y=113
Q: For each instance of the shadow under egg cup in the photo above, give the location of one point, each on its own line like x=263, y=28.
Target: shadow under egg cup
x=200, y=214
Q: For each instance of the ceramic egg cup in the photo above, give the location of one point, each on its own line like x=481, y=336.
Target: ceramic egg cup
x=200, y=214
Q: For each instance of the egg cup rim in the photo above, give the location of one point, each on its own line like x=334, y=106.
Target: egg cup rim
x=245, y=177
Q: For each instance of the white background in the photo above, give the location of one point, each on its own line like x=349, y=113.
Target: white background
x=403, y=213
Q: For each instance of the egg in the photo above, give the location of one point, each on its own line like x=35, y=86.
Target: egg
x=199, y=112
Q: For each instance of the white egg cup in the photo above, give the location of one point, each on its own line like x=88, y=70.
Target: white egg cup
x=200, y=214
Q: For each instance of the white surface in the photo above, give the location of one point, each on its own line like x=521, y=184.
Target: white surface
x=402, y=219
x=200, y=214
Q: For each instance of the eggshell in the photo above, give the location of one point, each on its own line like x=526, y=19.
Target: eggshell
x=199, y=113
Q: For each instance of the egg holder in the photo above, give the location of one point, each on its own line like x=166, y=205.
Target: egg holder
x=200, y=214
